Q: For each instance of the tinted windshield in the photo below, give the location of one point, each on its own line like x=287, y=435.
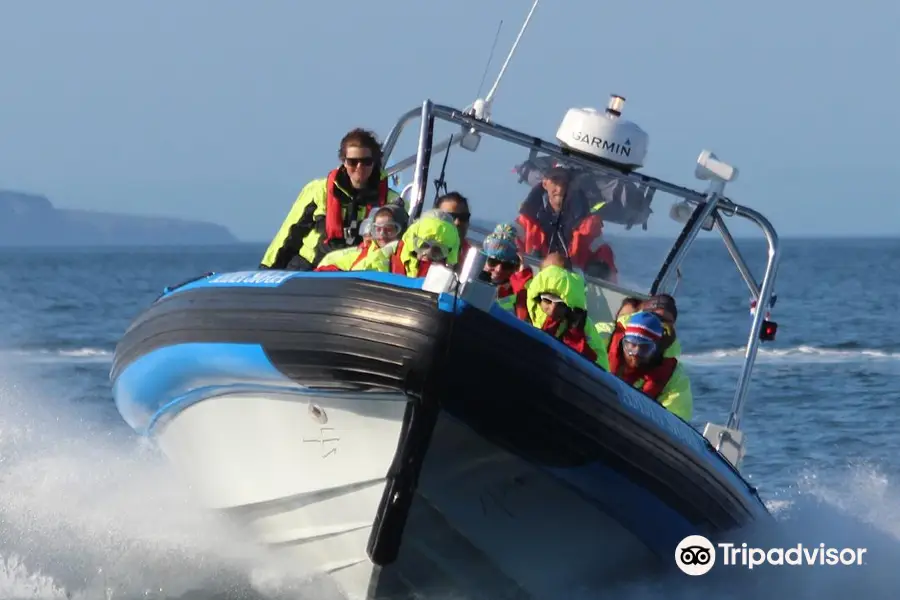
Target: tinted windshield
x=612, y=229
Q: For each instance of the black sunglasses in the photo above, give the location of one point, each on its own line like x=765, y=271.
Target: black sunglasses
x=460, y=216
x=493, y=262
x=366, y=161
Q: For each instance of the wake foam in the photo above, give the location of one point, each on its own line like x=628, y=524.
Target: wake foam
x=53, y=355
x=795, y=354
x=723, y=356
x=86, y=512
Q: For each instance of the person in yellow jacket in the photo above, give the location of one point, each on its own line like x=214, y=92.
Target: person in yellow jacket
x=557, y=304
x=328, y=212
x=385, y=225
x=662, y=308
x=637, y=359
x=433, y=238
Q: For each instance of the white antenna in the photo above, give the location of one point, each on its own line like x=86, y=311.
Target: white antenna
x=512, y=51
x=482, y=107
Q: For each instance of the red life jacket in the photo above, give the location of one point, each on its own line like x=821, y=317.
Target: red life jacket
x=655, y=378
x=535, y=240
x=334, y=212
x=517, y=283
x=399, y=268
x=616, y=337
x=520, y=306
x=588, y=247
x=574, y=338
x=580, y=246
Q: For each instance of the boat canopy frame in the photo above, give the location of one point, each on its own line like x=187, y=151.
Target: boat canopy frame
x=709, y=207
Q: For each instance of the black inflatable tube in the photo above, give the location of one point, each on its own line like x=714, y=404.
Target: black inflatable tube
x=541, y=402
x=330, y=332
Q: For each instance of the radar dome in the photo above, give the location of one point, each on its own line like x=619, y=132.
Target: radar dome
x=604, y=134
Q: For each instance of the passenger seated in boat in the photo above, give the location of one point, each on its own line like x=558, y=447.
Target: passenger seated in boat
x=637, y=359
x=385, y=224
x=663, y=306
x=505, y=269
x=327, y=213
x=628, y=307
x=457, y=206
x=557, y=304
x=433, y=238
x=555, y=218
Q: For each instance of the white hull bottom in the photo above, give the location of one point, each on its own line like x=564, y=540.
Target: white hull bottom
x=306, y=476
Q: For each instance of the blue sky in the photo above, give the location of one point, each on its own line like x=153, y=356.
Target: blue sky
x=221, y=110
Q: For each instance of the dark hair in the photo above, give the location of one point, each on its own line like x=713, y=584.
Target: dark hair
x=664, y=302
x=454, y=196
x=362, y=138
x=384, y=210
x=577, y=317
x=630, y=301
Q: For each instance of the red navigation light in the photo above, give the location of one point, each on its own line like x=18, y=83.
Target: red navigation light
x=768, y=330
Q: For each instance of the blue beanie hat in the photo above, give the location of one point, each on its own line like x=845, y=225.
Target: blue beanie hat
x=644, y=328
x=500, y=244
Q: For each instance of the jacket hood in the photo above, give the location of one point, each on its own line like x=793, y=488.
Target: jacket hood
x=555, y=280
x=434, y=229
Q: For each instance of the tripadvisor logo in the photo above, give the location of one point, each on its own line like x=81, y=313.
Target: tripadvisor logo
x=696, y=555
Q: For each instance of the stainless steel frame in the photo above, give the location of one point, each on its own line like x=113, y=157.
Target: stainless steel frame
x=706, y=205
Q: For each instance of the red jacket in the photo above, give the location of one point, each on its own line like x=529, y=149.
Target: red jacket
x=517, y=286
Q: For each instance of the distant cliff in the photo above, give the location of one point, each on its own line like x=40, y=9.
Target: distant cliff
x=32, y=220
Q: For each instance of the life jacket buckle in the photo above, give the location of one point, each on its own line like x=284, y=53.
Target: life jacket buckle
x=351, y=231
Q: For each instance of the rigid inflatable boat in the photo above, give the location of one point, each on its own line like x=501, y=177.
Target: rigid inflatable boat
x=407, y=435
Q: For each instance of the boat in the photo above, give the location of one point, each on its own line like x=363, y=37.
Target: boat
x=406, y=435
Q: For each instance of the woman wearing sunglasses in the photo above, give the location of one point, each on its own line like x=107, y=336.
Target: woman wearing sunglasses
x=385, y=224
x=637, y=359
x=504, y=269
x=329, y=211
x=557, y=304
x=433, y=238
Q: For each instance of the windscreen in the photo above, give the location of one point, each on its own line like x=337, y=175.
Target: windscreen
x=611, y=229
